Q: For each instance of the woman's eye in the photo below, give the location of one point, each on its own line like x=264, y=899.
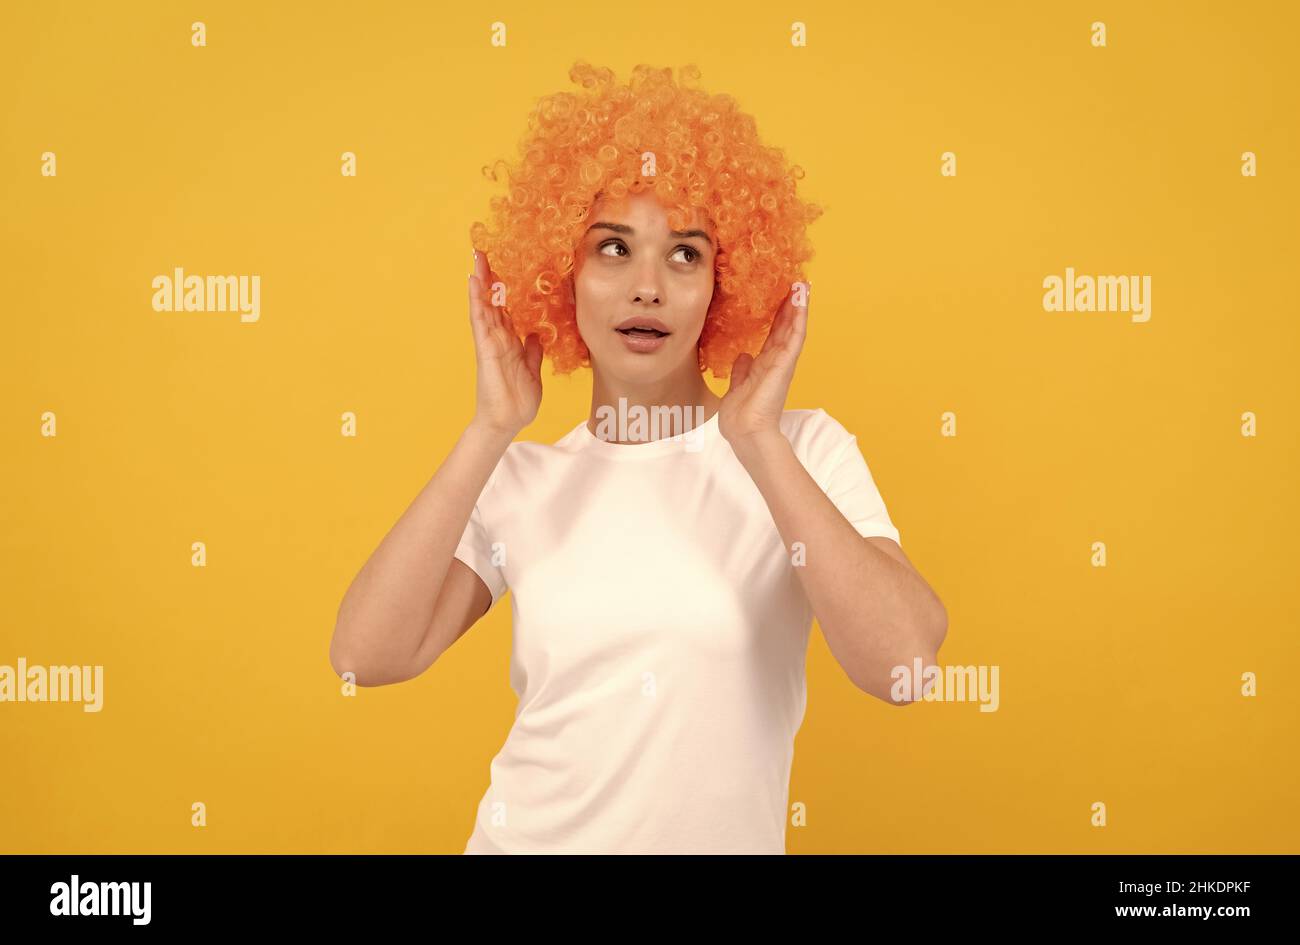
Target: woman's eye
x=620, y=250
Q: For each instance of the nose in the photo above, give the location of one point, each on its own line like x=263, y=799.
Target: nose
x=645, y=284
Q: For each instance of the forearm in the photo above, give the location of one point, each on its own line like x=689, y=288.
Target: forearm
x=875, y=611
x=388, y=607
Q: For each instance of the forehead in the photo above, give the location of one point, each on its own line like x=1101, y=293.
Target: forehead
x=643, y=212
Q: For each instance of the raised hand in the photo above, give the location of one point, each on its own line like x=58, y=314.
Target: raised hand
x=509, y=380
x=752, y=407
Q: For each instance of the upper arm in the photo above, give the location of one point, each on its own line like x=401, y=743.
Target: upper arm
x=464, y=598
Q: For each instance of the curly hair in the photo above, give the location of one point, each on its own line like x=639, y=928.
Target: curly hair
x=706, y=155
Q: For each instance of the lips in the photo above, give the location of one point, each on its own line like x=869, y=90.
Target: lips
x=642, y=326
x=643, y=334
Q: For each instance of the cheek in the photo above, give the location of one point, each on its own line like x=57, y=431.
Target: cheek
x=589, y=303
x=703, y=297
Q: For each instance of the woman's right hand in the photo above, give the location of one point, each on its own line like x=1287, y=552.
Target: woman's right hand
x=509, y=384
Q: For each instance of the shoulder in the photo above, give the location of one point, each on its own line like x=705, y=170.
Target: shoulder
x=818, y=439
x=528, y=461
x=814, y=430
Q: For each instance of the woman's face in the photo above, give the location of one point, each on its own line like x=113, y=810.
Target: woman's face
x=631, y=270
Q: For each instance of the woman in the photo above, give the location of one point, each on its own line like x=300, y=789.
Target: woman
x=663, y=581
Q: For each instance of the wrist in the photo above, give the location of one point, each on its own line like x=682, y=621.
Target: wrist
x=481, y=431
x=760, y=446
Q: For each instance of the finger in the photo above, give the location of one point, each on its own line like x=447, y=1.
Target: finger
x=477, y=323
x=799, y=324
x=502, y=320
x=533, y=355
x=481, y=279
x=476, y=280
x=481, y=282
x=740, y=370
x=780, y=363
x=487, y=278
x=487, y=281
x=777, y=328
x=488, y=320
x=788, y=334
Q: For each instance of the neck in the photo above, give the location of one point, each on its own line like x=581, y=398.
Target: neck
x=685, y=389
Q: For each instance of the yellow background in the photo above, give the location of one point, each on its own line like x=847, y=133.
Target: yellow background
x=1118, y=684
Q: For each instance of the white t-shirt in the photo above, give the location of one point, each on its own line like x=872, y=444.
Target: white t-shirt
x=660, y=631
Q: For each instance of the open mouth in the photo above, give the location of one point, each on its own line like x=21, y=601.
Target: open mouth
x=641, y=332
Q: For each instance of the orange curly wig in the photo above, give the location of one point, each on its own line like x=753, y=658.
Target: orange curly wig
x=707, y=155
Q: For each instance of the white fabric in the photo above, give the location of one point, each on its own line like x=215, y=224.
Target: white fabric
x=659, y=638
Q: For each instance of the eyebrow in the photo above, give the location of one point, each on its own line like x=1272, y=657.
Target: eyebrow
x=624, y=228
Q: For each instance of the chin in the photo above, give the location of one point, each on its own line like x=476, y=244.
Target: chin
x=631, y=366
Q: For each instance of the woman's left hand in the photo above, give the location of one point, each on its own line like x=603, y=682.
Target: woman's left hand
x=752, y=407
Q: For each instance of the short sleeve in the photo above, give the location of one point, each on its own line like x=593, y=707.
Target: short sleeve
x=841, y=470
x=475, y=549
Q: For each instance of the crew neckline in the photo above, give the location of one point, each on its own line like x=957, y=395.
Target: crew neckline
x=703, y=435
